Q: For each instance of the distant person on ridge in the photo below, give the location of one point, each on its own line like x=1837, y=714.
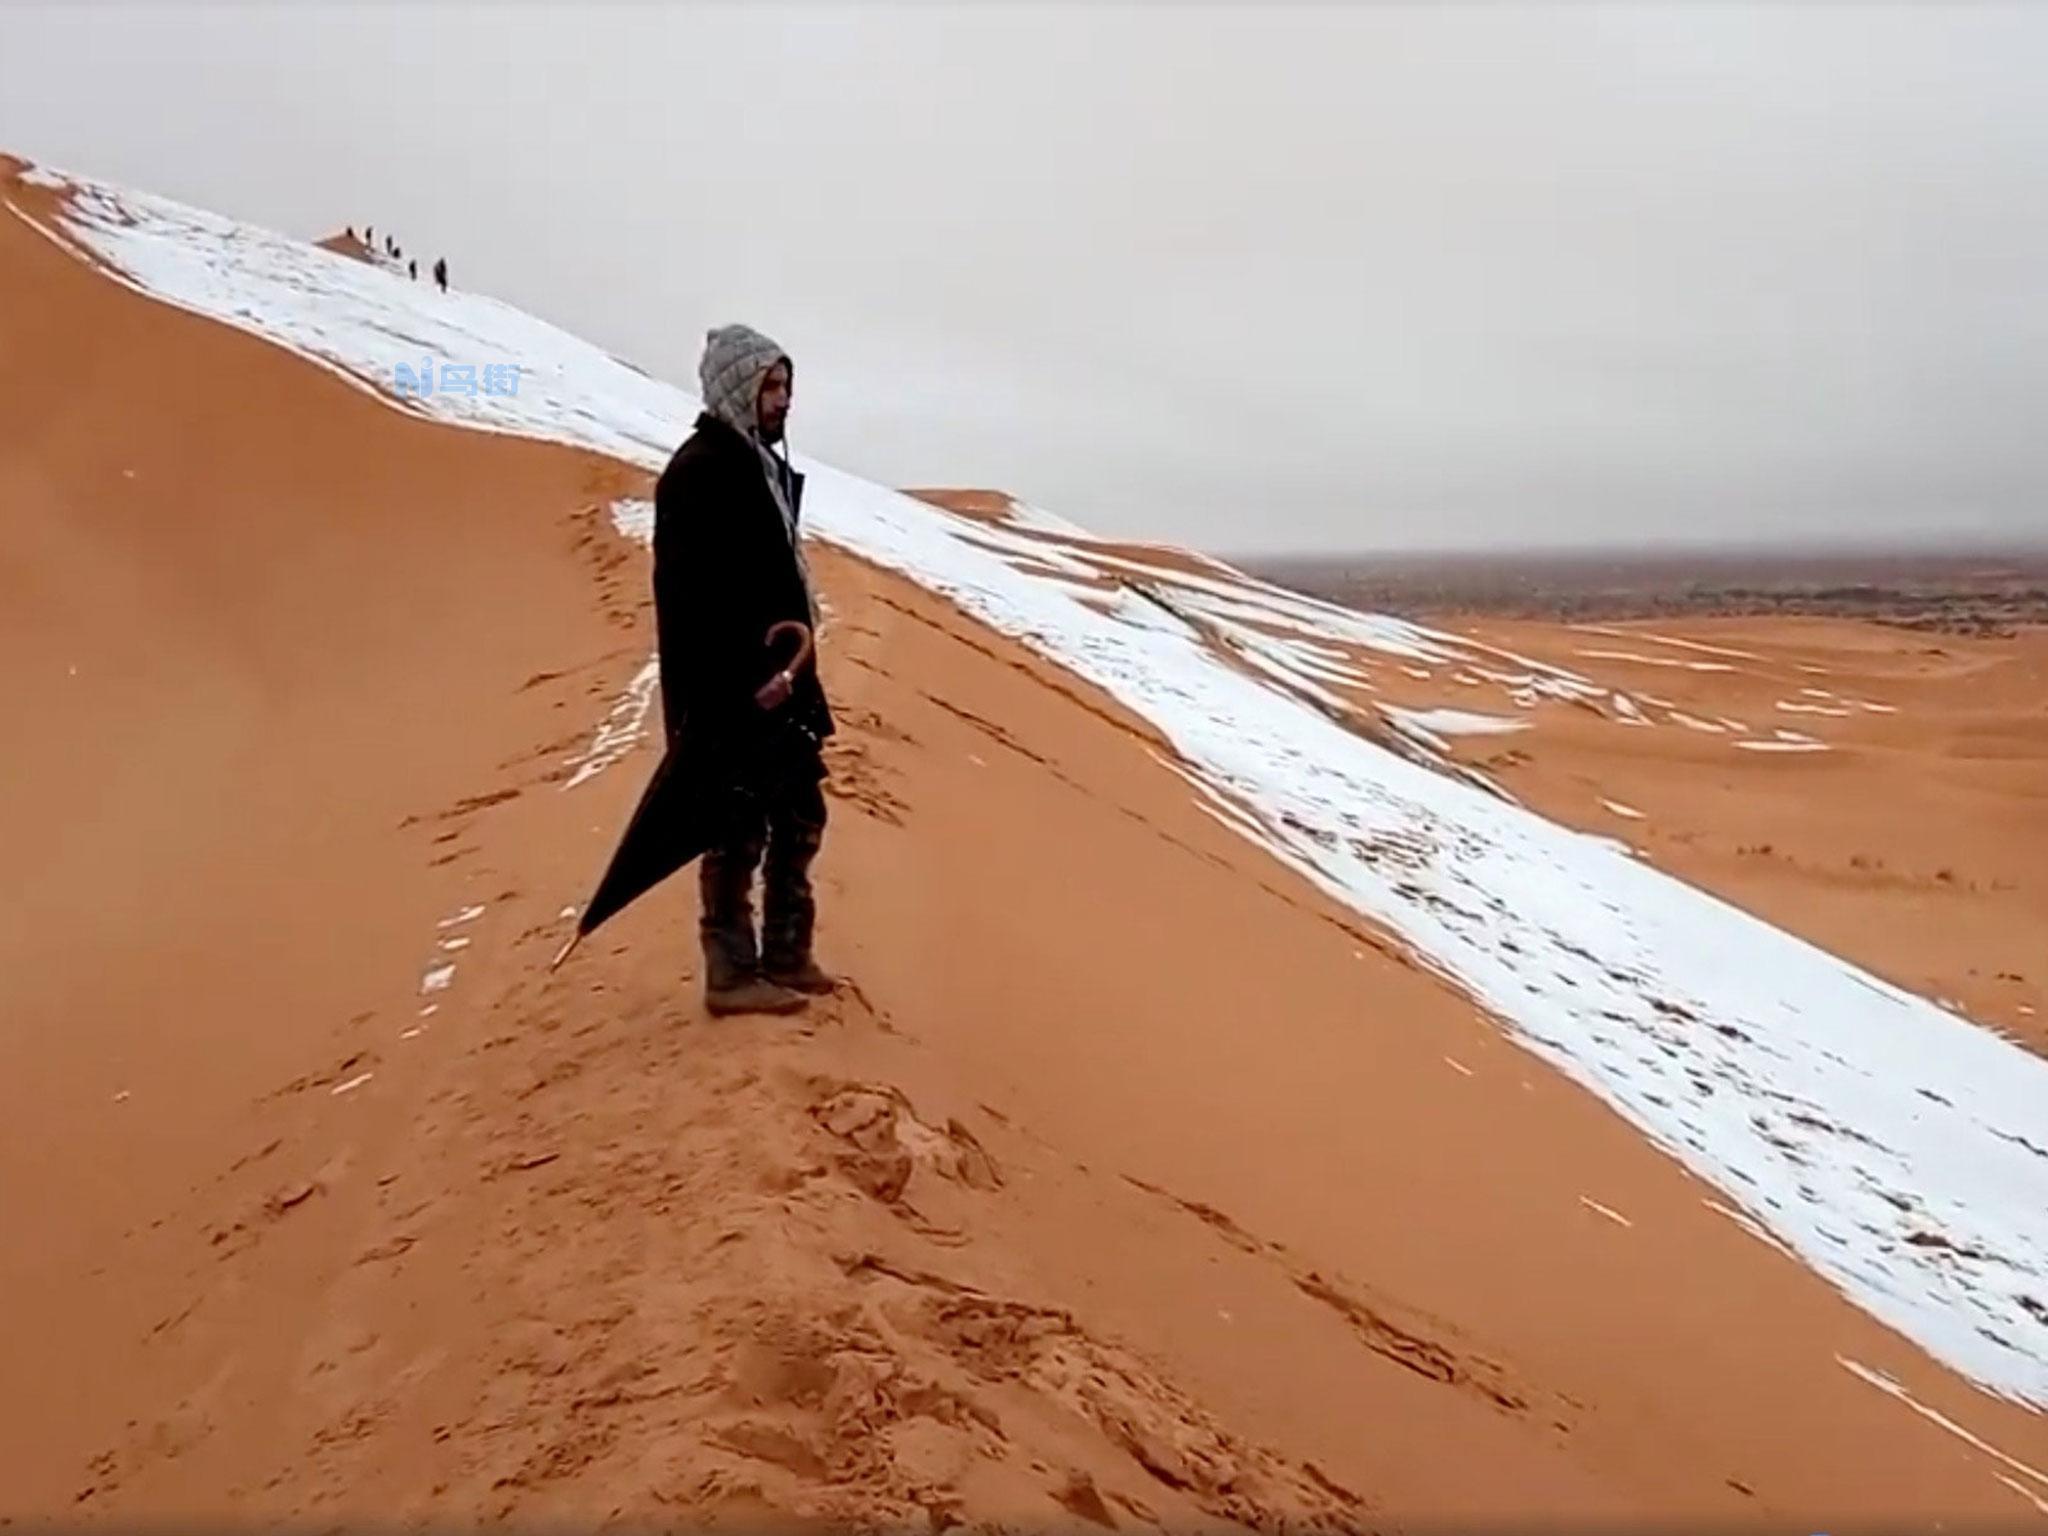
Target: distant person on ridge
x=728, y=564
x=412, y=270
x=441, y=272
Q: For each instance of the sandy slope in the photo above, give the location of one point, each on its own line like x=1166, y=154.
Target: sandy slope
x=253, y=622
x=344, y=243
x=1914, y=844
x=1133, y=1182
x=1875, y=789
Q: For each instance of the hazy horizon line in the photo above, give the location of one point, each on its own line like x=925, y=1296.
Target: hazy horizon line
x=1931, y=547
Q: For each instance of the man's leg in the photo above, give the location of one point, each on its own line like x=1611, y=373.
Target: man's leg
x=796, y=829
x=732, y=964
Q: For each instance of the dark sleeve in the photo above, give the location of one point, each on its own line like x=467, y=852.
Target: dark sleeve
x=699, y=608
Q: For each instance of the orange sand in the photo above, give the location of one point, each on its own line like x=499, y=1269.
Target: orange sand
x=1914, y=845
x=1130, y=1182
x=343, y=243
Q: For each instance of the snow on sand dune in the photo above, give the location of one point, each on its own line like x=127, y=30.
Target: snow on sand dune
x=1894, y=1148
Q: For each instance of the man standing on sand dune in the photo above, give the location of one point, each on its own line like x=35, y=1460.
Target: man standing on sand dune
x=728, y=565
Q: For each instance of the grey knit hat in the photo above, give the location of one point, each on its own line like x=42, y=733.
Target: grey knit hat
x=736, y=358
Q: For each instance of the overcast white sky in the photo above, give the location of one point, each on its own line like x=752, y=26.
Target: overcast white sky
x=1258, y=278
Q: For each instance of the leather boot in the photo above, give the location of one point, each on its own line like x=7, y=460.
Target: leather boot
x=802, y=974
x=755, y=994
x=788, y=921
x=732, y=972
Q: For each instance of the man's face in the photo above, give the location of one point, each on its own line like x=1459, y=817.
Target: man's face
x=772, y=410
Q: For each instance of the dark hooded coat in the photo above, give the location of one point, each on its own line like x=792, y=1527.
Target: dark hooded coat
x=724, y=572
x=727, y=568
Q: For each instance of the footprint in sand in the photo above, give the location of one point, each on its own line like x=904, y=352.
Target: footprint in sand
x=883, y=1143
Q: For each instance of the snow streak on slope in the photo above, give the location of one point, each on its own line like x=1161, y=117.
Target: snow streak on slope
x=624, y=727
x=1896, y=1149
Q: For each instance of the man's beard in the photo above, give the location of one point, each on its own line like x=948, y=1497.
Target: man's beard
x=771, y=431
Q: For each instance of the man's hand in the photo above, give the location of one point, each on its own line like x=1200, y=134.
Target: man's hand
x=774, y=693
